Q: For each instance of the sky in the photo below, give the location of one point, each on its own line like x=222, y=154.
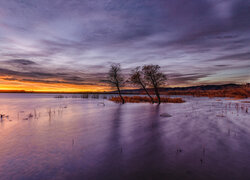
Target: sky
x=62, y=45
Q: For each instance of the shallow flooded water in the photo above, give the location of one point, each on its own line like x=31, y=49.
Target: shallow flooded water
x=42, y=137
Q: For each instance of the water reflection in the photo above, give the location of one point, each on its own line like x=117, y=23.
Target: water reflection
x=147, y=159
x=79, y=139
x=112, y=166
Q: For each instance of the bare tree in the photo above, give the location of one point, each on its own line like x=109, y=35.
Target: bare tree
x=154, y=77
x=137, y=78
x=115, y=78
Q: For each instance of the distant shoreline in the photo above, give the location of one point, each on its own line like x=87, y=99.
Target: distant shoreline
x=49, y=92
x=226, y=90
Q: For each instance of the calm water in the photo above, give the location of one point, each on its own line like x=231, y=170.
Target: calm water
x=42, y=137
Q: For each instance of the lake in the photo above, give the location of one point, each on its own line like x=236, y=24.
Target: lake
x=43, y=137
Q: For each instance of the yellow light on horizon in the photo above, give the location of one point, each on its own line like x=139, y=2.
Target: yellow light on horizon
x=18, y=85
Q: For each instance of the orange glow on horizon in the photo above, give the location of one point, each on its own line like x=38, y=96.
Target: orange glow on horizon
x=16, y=85
x=7, y=84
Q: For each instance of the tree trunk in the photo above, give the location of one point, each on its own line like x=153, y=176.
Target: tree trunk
x=147, y=93
x=120, y=95
x=157, y=94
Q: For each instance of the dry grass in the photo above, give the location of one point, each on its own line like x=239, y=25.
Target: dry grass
x=144, y=99
x=245, y=101
x=240, y=93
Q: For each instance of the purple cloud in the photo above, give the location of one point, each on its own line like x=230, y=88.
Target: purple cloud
x=185, y=37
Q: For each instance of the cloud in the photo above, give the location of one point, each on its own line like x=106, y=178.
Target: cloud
x=74, y=41
x=245, y=56
x=43, y=77
x=29, y=71
x=182, y=78
x=48, y=81
x=23, y=62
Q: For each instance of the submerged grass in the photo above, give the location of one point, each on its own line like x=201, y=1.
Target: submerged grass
x=144, y=99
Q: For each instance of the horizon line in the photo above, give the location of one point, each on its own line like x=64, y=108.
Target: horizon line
x=96, y=92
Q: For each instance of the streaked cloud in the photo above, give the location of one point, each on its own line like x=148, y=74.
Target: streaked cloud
x=74, y=42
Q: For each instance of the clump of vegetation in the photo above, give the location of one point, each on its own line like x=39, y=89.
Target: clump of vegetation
x=105, y=97
x=95, y=96
x=147, y=76
x=143, y=99
x=85, y=96
x=242, y=92
x=59, y=96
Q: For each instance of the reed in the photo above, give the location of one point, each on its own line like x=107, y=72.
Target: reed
x=243, y=92
x=144, y=99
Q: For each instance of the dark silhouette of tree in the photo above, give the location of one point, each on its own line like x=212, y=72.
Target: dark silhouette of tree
x=115, y=78
x=137, y=78
x=154, y=77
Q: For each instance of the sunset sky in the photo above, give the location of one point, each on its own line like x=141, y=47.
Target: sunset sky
x=68, y=45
